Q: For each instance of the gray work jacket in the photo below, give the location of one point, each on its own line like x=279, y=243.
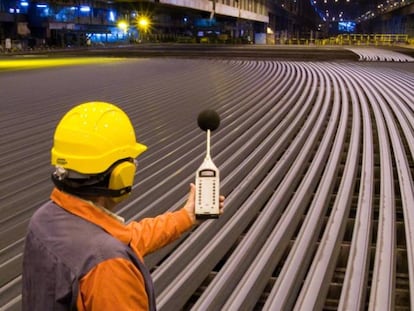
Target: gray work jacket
x=60, y=248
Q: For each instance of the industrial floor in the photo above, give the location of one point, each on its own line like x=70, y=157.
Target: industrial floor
x=316, y=161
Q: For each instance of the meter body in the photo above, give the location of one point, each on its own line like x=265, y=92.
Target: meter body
x=207, y=203
x=207, y=190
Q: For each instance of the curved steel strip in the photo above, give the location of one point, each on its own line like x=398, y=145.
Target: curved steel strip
x=392, y=111
x=164, y=274
x=317, y=282
x=207, y=259
x=249, y=288
x=383, y=278
x=313, y=221
x=354, y=289
x=228, y=277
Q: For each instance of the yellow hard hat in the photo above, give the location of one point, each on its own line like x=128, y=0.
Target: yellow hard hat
x=92, y=136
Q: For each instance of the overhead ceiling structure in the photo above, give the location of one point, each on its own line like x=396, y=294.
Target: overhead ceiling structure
x=345, y=10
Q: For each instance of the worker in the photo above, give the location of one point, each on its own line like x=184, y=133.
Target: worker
x=79, y=254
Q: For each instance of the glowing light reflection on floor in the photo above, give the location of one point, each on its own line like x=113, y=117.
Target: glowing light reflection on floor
x=34, y=63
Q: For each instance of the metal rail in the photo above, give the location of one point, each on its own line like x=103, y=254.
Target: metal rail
x=317, y=283
x=395, y=117
x=375, y=54
x=222, y=286
x=383, y=279
x=356, y=278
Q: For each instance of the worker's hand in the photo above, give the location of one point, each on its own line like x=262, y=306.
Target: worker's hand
x=190, y=205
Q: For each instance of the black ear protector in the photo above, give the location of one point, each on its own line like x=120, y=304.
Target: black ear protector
x=116, y=182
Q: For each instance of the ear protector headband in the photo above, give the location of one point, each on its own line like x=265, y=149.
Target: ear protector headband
x=116, y=182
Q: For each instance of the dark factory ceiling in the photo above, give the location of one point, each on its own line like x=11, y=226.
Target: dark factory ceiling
x=343, y=10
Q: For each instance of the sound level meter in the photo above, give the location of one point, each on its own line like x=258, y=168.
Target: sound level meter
x=208, y=175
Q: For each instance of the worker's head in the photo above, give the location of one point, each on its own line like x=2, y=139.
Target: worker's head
x=94, y=152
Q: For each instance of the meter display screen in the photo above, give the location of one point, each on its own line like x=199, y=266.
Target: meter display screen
x=207, y=173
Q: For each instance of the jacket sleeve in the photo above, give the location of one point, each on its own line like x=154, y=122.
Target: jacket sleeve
x=100, y=290
x=150, y=234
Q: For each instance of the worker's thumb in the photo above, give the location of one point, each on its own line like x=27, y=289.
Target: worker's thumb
x=191, y=195
x=190, y=205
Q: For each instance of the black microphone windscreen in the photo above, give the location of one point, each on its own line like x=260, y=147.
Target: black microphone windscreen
x=208, y=120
